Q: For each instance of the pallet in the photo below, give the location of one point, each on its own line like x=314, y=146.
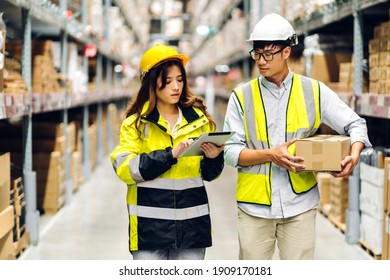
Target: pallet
x=22, y=244
x=339, y=225
x=324, y=209
x=369, y=251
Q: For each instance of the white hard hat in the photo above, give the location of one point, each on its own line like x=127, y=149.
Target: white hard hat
x=273, y=27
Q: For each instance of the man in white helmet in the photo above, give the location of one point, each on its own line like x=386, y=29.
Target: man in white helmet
x=276, y=201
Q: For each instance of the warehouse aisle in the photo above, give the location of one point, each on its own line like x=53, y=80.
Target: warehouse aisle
x=94, y=225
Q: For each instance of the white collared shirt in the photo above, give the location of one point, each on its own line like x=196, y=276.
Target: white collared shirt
x=175, y=127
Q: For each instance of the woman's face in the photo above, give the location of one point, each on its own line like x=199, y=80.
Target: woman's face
x=171, y=93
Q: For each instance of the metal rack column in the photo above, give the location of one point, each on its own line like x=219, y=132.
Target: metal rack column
x=110, y=130
x=29, y=176
x=246, y=66
x=357, y=48
x=99, y=117
x=64, y=70
x=86, y=140
x=352, y=231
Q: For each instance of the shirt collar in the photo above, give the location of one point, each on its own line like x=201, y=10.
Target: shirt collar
x=175, y=128
x=285, y=84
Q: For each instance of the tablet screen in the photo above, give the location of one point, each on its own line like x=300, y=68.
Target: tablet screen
x=217, y=138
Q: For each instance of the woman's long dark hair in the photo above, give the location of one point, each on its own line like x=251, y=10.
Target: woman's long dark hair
x=147, y=92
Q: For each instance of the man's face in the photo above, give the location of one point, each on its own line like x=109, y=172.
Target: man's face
x=270, y=60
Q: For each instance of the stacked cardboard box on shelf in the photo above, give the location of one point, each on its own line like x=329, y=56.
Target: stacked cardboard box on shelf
x=379, y=59
x=339, y=199
x=104, y=129
x=92, y=134
x=13, y=80
x=346, y=77
x=324, y=186
x=51, y=170
x=115, y=118
x=49, y=148
x=6, y=209
x=45, y=78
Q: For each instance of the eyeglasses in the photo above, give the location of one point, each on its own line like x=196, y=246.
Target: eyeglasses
x=268, y=56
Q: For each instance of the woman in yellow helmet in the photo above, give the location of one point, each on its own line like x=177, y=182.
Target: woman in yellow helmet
x=166, y=198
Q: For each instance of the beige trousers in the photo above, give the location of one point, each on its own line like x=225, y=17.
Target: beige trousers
x=294, y=236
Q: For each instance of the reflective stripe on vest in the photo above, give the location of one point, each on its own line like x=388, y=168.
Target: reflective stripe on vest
x=134, y=169
x=302, y=119
x=168, y=213
x=170, y=184
x=304, y=107
x=119, y=160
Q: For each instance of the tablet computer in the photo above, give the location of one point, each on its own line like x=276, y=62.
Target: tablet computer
x=217, y=138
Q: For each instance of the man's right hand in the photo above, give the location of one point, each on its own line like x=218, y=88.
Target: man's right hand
x=283, y=158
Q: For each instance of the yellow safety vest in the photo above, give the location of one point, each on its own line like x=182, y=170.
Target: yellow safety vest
x=303, y=117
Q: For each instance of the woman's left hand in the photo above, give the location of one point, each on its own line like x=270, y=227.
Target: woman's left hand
x=210, y=150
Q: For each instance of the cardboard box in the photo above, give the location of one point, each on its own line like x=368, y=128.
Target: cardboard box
x=339, y=198
x=5, y=181
x=325, y=66
x=6, y=225
x=6, y=220
x=323, y=152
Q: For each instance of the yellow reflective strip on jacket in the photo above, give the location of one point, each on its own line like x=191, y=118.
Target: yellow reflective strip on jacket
x=133, y=220
x=174, y=214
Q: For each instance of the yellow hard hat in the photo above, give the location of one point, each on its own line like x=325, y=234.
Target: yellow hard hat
x=156, y=54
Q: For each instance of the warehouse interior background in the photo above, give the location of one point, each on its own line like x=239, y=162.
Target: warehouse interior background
x=68, y=69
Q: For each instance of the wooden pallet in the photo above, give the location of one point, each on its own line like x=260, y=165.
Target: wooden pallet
x=22, y=244
x=324, y=209
x=369, y=251
x=336, y=222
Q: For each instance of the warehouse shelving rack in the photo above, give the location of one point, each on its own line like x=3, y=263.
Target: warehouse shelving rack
x=239, y=55
x=41, y=16
x=326, y=19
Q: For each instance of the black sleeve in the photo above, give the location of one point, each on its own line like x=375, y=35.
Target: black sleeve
x=156, y=163
x=211, y=168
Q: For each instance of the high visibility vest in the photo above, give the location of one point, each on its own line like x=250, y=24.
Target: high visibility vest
x=303, y=118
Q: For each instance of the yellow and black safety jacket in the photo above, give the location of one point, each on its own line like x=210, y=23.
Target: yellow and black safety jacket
x=167, y=201
x=303, y=117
